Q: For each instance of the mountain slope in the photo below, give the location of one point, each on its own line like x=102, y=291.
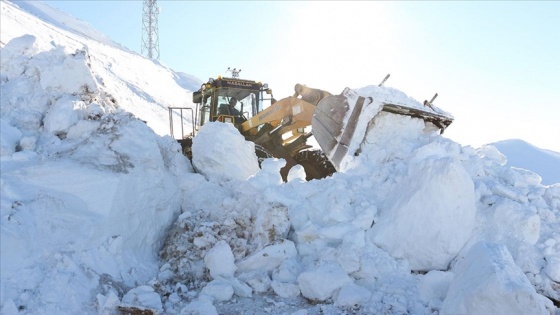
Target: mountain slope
x=525, y=155
x=125, y=73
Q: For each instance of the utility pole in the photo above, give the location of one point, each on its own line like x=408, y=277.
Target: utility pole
x=150, y=33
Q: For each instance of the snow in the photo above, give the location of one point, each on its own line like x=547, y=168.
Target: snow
x=143, y=297
x=437, y=190
x=322, y=282
x=220, y=261
x=487, y=281
x=523, y=155
x=100, y=209
x=214, y=138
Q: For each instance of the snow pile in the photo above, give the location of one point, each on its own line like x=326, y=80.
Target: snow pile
x=411, y=201
x=88, y=190
x=136, y=84
x=58, y=89
x=100, y=213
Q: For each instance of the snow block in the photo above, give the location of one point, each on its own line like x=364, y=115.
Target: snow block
x=221, y=152
x=516, y=222
x=374, y=263
x=487, y=281
x=259, y=281
x=220, y=261
x=220, y=290
x=288, y=271
x=202, y=305
x=9, y=138
x=552, y=268
x=285, y=290
x=352, y=295
x=69, y=74
x=143, y=297
x=240, y=288
x=434, y=285
x=106, y=304
x=268, y=258
x=63, y=114
x=321, y=284
x=430, y=216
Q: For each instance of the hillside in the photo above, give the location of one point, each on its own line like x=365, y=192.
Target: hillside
x=524, y=155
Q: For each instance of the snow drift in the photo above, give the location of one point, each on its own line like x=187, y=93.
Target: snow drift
x=523, y=155
x=99, y=209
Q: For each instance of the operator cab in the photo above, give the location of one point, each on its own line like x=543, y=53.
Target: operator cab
x=229, y=100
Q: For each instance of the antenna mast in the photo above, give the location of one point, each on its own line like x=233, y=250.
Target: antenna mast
x=150, y=33
x=234, y=72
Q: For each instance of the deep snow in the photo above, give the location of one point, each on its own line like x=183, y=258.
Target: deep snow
x=521, y=154
x=100, y=209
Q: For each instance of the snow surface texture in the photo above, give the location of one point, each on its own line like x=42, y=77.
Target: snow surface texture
x=521, y=154
x=99, y=211
x=136, y=84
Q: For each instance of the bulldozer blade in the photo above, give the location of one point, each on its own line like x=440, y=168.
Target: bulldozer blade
x=333, y=128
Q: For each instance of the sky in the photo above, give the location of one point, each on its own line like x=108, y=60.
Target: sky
x=494, y=65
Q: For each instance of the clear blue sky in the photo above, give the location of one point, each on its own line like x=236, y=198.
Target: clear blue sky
x=495, y=65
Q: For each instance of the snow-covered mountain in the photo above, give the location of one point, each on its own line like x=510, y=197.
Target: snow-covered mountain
x=100, y=210
x=135, y=84
x=524, y=155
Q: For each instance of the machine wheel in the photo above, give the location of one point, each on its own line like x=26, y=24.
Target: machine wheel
x=262, y=153
x=186, y=146
x=315, y=163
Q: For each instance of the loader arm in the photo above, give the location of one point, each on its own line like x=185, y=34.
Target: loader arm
x=279, y=129
x=289, y=113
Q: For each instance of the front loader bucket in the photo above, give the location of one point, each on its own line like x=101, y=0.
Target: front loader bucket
x=334, y=123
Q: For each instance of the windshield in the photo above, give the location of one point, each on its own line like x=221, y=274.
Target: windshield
x=240, y=102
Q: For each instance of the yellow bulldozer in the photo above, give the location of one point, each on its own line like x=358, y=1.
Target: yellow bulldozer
x=280, y=129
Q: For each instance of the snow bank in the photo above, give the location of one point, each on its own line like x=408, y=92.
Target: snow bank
x=137, y=84
x=87, y=190
x=56, y=87
x=487, y=281
x=523, y=155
